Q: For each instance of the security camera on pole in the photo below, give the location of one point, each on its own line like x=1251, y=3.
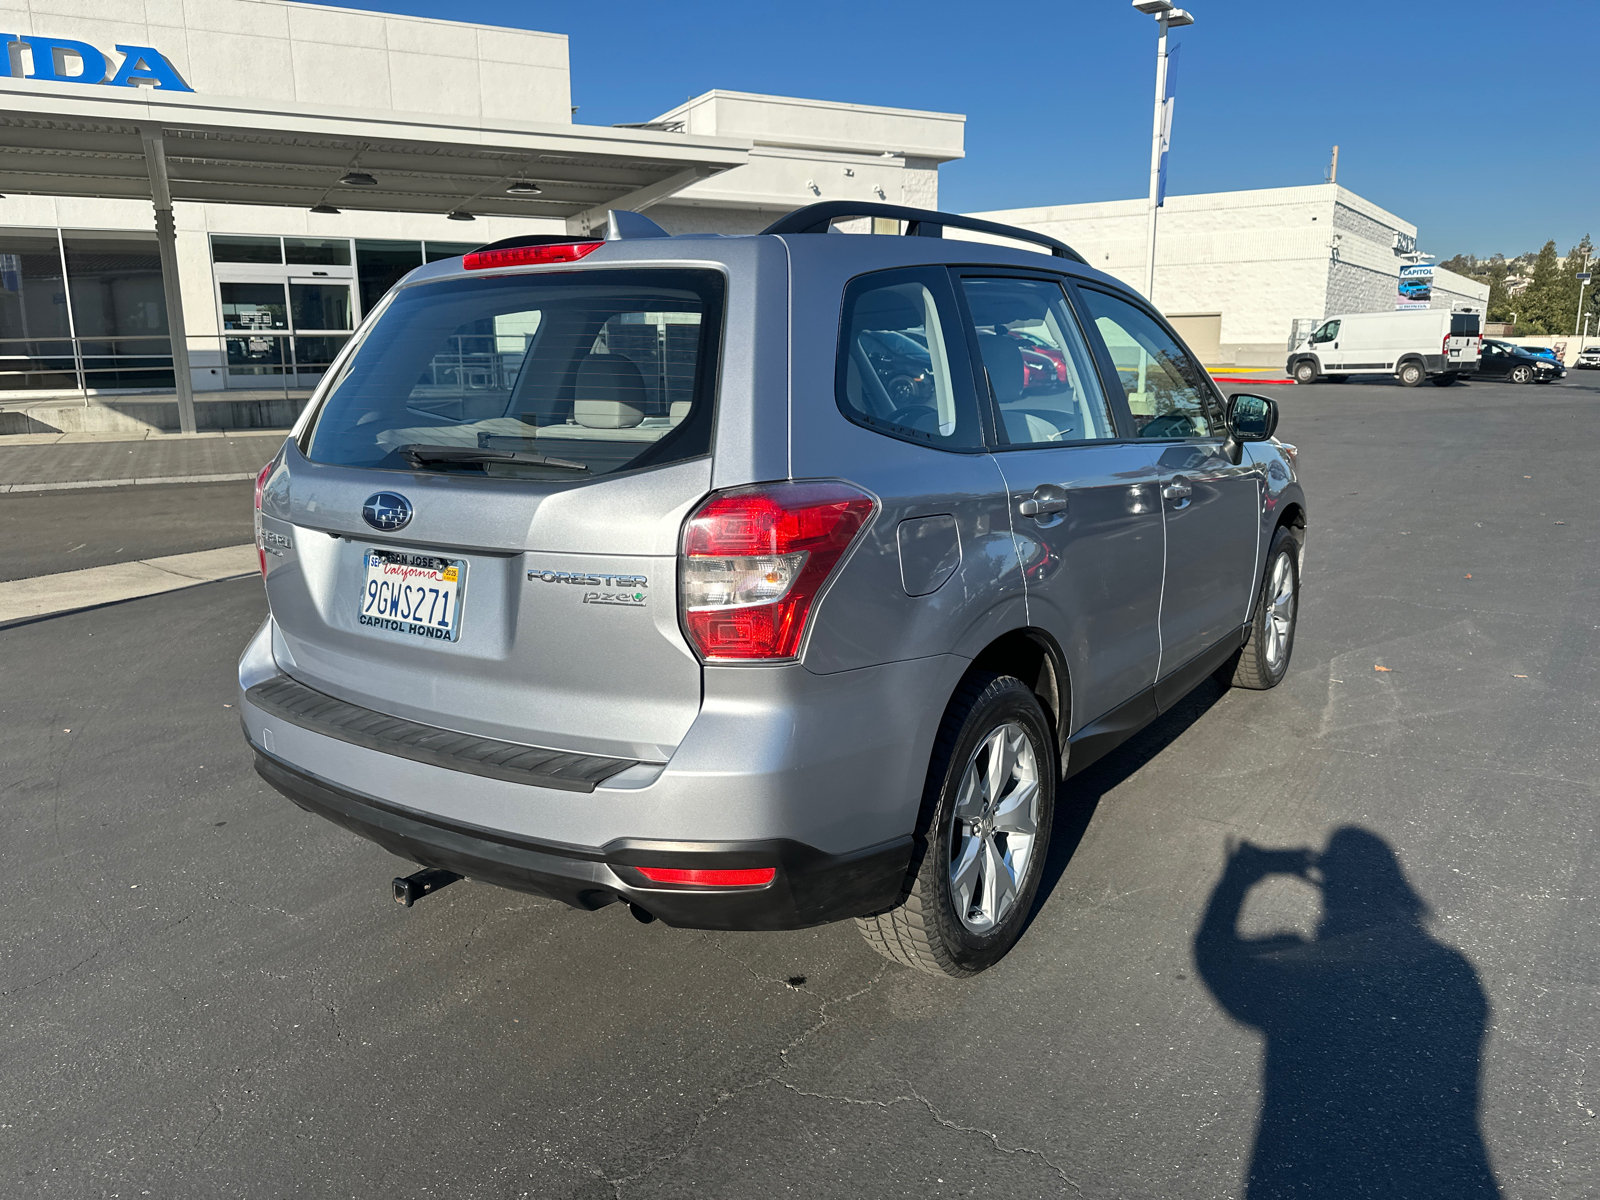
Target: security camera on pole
x=1161, y=136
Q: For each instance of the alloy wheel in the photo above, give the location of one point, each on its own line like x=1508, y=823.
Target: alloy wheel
x=994, y=828
x=1280, y=612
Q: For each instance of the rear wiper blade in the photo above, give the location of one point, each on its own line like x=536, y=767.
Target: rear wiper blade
x=417, y=455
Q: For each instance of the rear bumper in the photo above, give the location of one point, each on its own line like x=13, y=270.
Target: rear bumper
x=810, y=886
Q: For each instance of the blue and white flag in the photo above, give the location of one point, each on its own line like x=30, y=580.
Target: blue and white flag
x=1167, y=101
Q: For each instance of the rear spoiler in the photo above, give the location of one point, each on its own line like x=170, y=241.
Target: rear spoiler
x=920, y=222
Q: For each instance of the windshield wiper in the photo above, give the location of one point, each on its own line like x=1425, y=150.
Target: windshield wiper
x=418, y=455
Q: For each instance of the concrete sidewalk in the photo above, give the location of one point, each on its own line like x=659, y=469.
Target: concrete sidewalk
x=70, y=591
x=51, y=461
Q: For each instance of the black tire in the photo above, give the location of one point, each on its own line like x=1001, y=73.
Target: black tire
x=1443, y=380
x=924, y=930
x=1411, y=374
x=1256, y=665
x=1522, y=373
x=1305, y=371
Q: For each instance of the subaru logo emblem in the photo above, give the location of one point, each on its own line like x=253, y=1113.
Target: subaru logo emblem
x=387, y=511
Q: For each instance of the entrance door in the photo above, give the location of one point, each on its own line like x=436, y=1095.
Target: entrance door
x=255, y=317
x=321, y=314
x=1212, y=509
x=280, y=329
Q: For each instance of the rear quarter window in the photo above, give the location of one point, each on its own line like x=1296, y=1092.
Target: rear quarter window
x=550, y=375
x=900, y=369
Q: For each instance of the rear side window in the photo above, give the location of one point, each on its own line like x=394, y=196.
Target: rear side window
x=1167, y=393
x=894, y=375
x=1037, y=363
x=531, y=376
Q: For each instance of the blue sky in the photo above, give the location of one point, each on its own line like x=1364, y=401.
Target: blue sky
x=1461, y=116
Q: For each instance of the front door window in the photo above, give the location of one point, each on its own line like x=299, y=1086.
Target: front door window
x=1166, y=389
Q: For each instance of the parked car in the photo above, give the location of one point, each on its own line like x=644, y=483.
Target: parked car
x=755, y=638
x=1588, y=358
x=1431, y=344
x=1506, y=360
x=1544, y=352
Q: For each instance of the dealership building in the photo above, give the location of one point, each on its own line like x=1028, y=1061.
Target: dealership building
x=208, y=195
x=253, y=175
x=1238, y=272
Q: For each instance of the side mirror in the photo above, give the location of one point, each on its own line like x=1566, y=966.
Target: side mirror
x=1249, y=419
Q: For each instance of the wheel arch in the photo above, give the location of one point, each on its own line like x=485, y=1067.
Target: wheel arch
x=1033, y=656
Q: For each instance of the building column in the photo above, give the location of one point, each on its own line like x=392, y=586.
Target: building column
x=155, y=157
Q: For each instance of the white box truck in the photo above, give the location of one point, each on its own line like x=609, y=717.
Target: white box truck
x=1424, y=343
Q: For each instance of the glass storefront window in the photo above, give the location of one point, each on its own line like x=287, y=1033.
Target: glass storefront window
x=119, y=308
x=331, y=252
x=33, y=313
x=434, y=251
x=235, y=248
x=380, y=264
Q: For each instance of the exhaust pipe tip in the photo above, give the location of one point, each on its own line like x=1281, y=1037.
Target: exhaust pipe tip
x=642, y=915
x=408, y=889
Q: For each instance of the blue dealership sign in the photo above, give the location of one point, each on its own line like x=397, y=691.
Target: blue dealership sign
x=63, y=60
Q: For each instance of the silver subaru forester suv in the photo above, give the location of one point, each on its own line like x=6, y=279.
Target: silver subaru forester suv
x=757, y=582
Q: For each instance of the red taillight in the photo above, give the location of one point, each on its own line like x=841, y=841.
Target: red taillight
x=747, y=877
x=261, y=547
x=527, y=256
x=755, y=559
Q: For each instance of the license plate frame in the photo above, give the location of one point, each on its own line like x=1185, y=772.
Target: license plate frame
x=412, y=593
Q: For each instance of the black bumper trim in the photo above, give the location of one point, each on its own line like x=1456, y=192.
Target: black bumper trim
x=292, y=701
x=811, y=887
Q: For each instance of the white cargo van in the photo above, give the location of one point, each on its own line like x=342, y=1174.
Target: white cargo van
x=1425, y=343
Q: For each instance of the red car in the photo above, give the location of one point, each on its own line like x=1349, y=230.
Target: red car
x=1043, y=362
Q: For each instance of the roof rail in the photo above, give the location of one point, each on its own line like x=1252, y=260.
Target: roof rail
x=920, y=222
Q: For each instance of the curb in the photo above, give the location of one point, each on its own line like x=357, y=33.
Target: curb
x=96, y=483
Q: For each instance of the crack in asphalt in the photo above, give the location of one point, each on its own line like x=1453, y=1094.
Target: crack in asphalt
x=825, y=1019
x=915, y=1097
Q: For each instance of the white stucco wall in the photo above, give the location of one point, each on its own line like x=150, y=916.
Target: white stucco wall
x=1261, y=258
x=1257, y=257
x=805, y=151
x=313, y=54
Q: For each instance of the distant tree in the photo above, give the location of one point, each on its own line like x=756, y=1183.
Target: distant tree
x=1539, y=306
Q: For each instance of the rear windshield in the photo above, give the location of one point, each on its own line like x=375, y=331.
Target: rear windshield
x=531, y=376
x=1464, y=325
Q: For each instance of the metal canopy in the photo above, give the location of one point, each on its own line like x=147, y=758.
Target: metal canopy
x=141, y=144
x=82, y=141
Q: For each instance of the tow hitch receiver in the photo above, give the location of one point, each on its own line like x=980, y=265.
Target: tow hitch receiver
x=411, y=888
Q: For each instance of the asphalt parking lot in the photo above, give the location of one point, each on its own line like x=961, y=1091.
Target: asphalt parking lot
x=209, y=993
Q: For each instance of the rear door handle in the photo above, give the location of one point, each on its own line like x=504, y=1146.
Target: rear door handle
x=1177, y=490
x=1046, y=498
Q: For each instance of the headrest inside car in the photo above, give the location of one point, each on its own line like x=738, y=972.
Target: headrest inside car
x=610, y=393
x=1003, y=359
x=886, y=309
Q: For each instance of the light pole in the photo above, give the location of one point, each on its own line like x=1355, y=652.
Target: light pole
x=1583, y=282
x=1168, y=17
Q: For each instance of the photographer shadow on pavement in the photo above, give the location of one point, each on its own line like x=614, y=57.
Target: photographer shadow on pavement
x=1373, y=1031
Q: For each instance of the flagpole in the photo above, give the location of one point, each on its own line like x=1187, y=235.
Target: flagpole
x=1155, y=163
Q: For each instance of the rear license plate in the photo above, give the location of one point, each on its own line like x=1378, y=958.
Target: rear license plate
x=416, y=594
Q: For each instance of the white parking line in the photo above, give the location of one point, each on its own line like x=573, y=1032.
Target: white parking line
x=45, y=594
